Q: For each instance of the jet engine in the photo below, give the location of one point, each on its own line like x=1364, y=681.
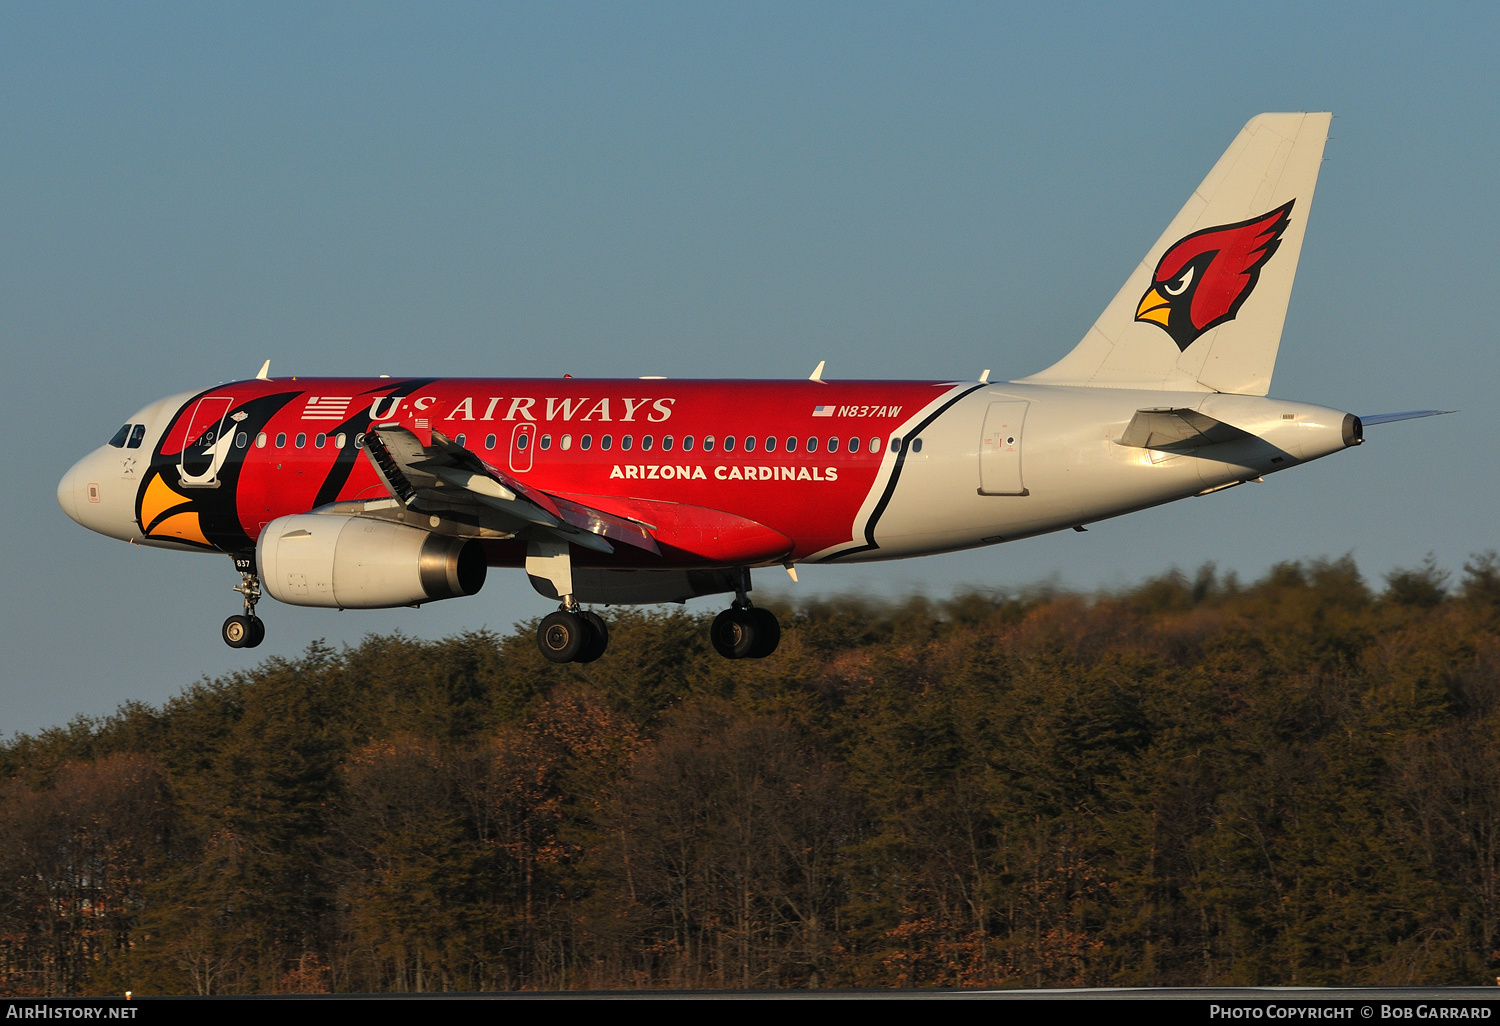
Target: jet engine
x=353, y=563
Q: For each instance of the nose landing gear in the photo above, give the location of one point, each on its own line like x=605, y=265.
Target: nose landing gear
x=249, y=630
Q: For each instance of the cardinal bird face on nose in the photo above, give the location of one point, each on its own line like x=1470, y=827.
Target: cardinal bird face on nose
x=1203, y=278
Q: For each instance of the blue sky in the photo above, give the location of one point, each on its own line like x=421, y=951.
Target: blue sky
x=706, y=190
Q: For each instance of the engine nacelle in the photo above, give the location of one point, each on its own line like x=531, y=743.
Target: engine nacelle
x=354, y=563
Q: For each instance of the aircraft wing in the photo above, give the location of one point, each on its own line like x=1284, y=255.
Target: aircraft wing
x=436, y=473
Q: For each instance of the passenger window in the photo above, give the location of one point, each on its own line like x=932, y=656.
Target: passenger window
x=627, y=442
x=812, y=443
x=874, y=443
x=729, y=443
x=646, y=442
x=566, y=442
x=708, y=443
x=749, y=443
x=895, y=443
x=137, y=434
x=301, y=439
x=339, y=440
x=241, y=440
x=260, y=440
x=119, y=440
x=546, y=441
x=916, y=445
x=791, y=443
x=666, y=443
x=687, y=443
x=586, y=442
x=319, y=441
x=833, y=443
x=281, y=439
x=522, y=440
x=489, y=441
x=462, y=439
x=770, y=443
x=606, y=441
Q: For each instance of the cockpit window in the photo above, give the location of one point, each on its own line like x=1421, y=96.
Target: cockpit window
x=137, y=433
x=119, y=440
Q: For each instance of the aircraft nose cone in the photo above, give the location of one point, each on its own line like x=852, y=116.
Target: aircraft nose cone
x=67, y=492
x=95, y=494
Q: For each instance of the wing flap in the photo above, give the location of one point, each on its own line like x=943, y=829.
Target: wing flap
x=709, y=534
x=446, y=472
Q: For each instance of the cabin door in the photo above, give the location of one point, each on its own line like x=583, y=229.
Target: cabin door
x=1000, y=450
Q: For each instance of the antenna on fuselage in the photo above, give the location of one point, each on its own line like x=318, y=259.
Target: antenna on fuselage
x=817, y=374
x=265, y=372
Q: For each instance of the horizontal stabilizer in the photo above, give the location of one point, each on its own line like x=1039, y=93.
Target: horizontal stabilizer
x=1391, y=418
x=1173, y=430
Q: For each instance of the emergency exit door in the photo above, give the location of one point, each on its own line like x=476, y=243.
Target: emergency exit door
x=522, y=451
x=1000, y=450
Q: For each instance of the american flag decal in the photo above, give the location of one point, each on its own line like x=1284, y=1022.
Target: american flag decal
x=326, y=407
x=822, y=411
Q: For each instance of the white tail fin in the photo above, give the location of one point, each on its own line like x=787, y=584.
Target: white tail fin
x=1204, y=310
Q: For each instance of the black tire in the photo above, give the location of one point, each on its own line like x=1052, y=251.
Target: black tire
x=257, y=632
x=561, y=636
x=734, y=633
x=767, y=633
x=237, y=631
x=598, y=636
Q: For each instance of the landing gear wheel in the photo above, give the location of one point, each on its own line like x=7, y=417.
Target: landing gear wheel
x=257, y=632
x=561, y=636
x=734, y=633
x=238, y=632
x=598, y=637
x=767, y=633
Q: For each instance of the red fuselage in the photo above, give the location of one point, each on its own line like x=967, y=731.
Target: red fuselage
x=744, y=471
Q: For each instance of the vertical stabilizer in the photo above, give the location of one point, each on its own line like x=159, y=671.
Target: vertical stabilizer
x=1204, y=310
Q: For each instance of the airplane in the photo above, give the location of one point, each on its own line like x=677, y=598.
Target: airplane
x=364, y=493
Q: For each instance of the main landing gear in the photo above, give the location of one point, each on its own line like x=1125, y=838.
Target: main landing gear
x=249, y=630
x=744, y=631
x=575, y=635
x=572, y=636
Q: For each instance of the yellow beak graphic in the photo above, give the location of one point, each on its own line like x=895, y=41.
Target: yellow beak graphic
x=1154, y=307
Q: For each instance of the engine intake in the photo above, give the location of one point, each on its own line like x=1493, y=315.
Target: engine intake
x=354, y=563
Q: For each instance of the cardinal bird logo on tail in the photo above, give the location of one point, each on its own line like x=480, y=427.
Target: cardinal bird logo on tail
x=1204, y=278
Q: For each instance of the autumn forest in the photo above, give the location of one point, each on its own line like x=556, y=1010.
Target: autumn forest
x=1199, y=780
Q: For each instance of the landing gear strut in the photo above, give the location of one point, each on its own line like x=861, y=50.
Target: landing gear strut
x=744, y=631
x=249, y=630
